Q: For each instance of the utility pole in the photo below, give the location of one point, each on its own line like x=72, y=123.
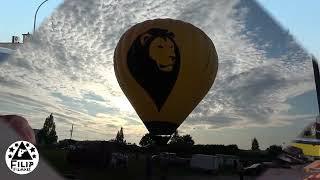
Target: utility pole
x=71, y=131
x=35, y=16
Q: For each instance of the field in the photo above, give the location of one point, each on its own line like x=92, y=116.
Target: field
x=136, y=169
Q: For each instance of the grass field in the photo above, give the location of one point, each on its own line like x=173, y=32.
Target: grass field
x=136, y=168
x=57, y=158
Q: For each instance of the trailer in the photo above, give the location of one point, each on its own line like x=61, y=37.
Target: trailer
x=205, y=162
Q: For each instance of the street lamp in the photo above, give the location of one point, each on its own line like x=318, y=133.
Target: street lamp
x=35, y=16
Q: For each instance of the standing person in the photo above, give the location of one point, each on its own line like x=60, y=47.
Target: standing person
x=20, y=125
x=148, y=167
x=164, y=167
x=241, y=171
x=16, y=128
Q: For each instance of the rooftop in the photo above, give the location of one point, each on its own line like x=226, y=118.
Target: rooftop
x=15, y=43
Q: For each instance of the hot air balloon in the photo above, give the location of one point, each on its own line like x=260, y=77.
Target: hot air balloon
x=165, y=67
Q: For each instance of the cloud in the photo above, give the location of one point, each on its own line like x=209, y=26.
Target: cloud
x=68, y=69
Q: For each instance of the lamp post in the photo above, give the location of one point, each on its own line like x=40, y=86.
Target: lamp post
x=35, y=16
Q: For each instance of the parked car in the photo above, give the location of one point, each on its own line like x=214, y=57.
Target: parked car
x=164, y=155
x=254, y=169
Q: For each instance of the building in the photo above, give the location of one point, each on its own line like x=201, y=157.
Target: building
x=15, y=42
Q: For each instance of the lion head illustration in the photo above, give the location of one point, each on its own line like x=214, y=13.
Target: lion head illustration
x=154, y=60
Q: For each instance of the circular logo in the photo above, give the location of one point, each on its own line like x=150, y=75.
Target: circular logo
x=22, y=157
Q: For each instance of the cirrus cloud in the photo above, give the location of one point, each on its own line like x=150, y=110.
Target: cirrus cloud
x=68, y=68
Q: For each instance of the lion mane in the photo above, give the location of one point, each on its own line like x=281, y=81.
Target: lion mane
x=158, y=84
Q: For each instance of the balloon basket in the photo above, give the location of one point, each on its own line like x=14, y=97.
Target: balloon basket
x=160, y=140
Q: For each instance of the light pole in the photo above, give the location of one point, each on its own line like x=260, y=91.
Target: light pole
x=35, y=16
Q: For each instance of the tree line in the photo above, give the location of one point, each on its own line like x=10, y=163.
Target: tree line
x=183, y=144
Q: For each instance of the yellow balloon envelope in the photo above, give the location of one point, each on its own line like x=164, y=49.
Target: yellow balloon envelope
x=165, y=67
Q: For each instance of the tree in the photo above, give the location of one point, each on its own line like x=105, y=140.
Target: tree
x=232, y=149
x=175, y=138
x=255, y=145
x=47, y=134
x=146, y=140
x=181, y=140
x=274, y=150
x=187, y=140
x=120, y=137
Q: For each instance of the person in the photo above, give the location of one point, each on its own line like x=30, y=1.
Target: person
x=148, y=167
x=164, y=162
x=235, y=164
x=241, y=171
x=20, y=125
x=16, y=128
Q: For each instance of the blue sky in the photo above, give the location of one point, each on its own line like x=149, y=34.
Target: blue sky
x=264, y=83
x=21, y=13
x=300, y=18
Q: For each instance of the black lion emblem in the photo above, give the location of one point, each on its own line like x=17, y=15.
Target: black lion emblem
x=154, y=60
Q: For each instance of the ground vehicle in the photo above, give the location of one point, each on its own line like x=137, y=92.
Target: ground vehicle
x=164, y=155
x=254, y=169
x=5, y=53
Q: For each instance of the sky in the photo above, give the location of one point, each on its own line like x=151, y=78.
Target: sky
x=21, y=13
x=299, y=18
x=264, y=87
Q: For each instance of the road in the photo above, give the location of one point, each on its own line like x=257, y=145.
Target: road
x=294, y=173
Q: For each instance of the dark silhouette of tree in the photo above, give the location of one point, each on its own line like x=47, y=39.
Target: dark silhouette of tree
x=274, y=150
x=47, y=134
x=187, y=140
x=181, y=140
x=255, y=145
x=146, y=140
x=120, y=137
